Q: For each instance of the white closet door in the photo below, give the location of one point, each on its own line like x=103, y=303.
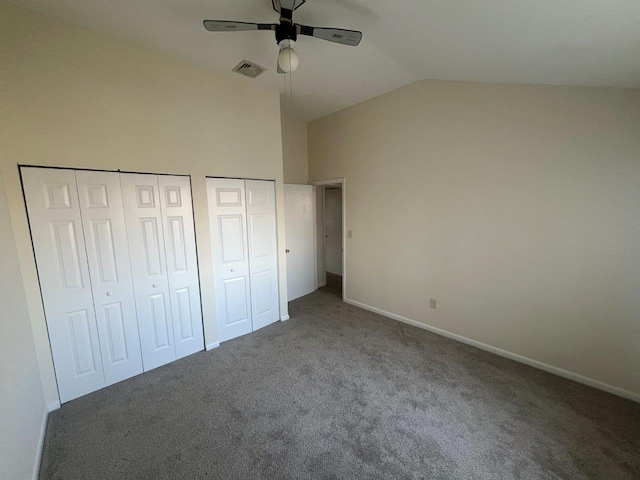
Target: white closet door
x=111, y=282
x=182, y=263
x=263, y=252
x=56, y=229
x=230, y=258
x=148, y=264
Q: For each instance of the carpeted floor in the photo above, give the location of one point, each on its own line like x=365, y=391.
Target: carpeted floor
x=338, y=392
x=334, y=283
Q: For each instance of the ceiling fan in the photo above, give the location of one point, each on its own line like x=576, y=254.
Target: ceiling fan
x=287, y=32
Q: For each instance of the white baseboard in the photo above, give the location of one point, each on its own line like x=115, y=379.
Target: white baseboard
x=504, y=353
x=323, y=284
x=284, y=318
x=213, y=345
x=43, y=430
x=40, y=447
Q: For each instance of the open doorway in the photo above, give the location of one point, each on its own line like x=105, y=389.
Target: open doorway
x=333, y=236
x=331, y=224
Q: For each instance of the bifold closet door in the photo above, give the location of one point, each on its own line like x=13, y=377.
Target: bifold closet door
x=182, y=268
x=58, y=241
x=149, y=267
x=162, y=247
x=263, y=251
x=245, y=257
x=228, y=213
x=108, y=257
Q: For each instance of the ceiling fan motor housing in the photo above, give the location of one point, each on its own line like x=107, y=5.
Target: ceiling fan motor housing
x=286, y=31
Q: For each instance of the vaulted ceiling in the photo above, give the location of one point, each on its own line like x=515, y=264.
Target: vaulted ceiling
x=559, y=42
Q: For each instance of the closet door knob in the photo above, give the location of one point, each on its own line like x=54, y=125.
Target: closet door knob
x=155, y=285
x=109, y=294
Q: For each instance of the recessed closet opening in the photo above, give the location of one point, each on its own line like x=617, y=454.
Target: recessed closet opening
x=117, y=265
x=245, y=254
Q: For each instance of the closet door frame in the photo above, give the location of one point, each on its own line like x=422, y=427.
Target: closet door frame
x=22, y=166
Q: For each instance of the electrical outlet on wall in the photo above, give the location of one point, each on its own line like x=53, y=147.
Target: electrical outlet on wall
x=432, y=303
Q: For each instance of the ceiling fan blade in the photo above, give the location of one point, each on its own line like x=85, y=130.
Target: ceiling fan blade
x=337, y=35
x=291, y=5
x=225, y=26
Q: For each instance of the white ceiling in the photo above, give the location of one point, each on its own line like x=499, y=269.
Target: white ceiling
x=560, y=42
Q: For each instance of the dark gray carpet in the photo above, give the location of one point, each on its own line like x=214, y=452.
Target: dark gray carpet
x=338, y=392
x=335, y=281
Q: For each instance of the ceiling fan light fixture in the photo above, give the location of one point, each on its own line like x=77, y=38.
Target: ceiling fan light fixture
x=288, y=58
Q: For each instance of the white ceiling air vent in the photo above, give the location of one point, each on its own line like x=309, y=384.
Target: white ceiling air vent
x=248, y=69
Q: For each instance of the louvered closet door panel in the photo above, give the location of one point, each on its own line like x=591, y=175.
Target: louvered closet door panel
x=108, y=255
x=263, y=251
x=149, y=267
x=182, y=263
x=58, y=241
x=227, y=212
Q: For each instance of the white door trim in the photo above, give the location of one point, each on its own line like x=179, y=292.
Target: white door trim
x=315, y=237
x=343, y=182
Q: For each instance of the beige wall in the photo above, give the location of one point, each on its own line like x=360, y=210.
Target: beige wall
x=22, y=406
x=516, y=207
x=72, y=97
x=294, y=151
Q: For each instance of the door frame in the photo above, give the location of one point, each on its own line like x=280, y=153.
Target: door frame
x=343, y=182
